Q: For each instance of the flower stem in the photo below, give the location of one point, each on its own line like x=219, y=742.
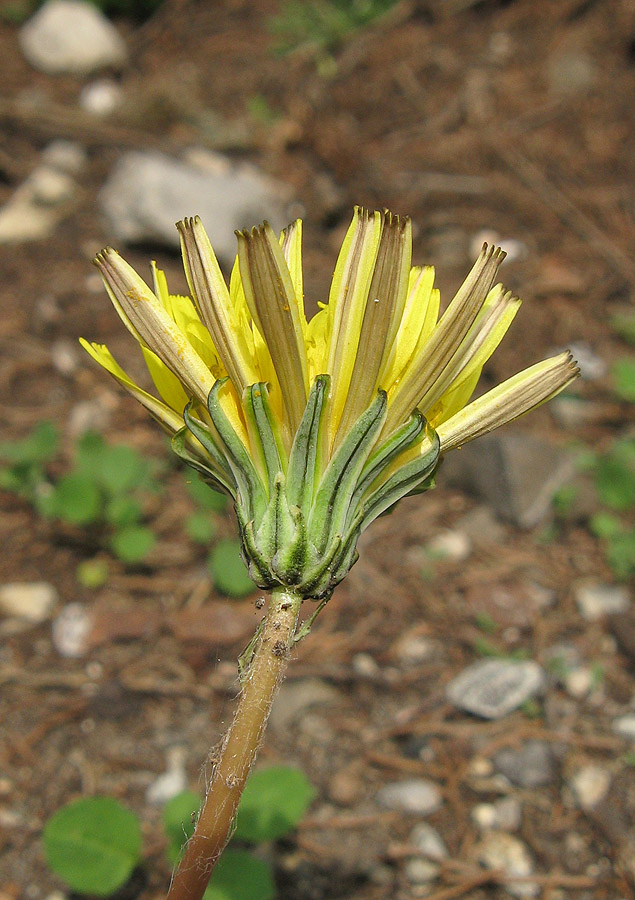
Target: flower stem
x=239, y=748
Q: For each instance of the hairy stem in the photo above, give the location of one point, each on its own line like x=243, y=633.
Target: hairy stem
x=239, y=749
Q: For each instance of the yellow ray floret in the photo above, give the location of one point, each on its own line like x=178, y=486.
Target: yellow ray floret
x=380, y=330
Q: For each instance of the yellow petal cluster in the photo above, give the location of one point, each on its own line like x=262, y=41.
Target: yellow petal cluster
x=380, y=329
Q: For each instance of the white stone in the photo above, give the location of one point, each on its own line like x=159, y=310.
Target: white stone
x=32, y=601
x=579, y=682
x=64, y=356
x=71, y=37
x=365, y=665
x=484, y=816
x=454, y=545
x=625, y=726
x=492, y=688
x=502, y=851
x=21, y=221
x=421, y=871
x=71, y=630
x=596, y=599
x=172, y=782
x=590, y=784
x=296, y=697
x=148, y=192
x=100, y=97
x=417, y=796
x=428, y=842
x=413, y=649
x=514, y=248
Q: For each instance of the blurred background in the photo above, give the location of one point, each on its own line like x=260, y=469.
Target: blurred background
x=465, y=707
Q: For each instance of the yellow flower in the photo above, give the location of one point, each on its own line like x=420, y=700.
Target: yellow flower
x=368, y=392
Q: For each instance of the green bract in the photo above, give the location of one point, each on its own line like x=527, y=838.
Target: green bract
x=299, y=522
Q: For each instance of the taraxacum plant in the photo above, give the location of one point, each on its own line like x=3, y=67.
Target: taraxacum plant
x=314, y=428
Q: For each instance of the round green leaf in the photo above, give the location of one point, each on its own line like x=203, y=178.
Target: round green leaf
x=200, y=527
x=92, y=573
x=122, y=510
x=93, y=845
x=76, y=499
x=229, y=571
x=624, y=378
x=240, y=876
x=133, y=543
x=272, y=804
x=178, y=822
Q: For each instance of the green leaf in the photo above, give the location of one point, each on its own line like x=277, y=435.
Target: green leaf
x=203, y=494
x=624, y=325
x=620, y=554
x=178, y=822
x=623, y=371
x=229, y=571
x=272, y=804
x=240, y=876
x=76, y=499
x=117, y=468
x=121, y=511
x=92, y=573
x=200, y=527
x=615, y=481
x=93, y=845
x=133, y=543
x=605, y=525
x=39, y=446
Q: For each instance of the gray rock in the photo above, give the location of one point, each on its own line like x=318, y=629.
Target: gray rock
x=418, y=796
x=625, y=726
x=530, y=766
x=590, y=785
x=492, y=688
x=517, y=474
x=505, y=814
x=502, y=851
x=148, y=192
x=596, y=599
x=428, y=842
x=71, y=37
x=296, y=697
x=32, y=602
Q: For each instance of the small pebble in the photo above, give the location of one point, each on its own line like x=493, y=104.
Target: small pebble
x=417, y=796
x=428, y=842
x=590, y=784
x=71, y=630
x=505, y=852
x=421, y=871
x=100, y=97
x=596, y=599
x=579, y=682
x=531, y=765
x=492, y=688
x=31, y=601
x=65, y=156
x=364, y=665
x=625, y=726
x=172, y=782
x=453, y=545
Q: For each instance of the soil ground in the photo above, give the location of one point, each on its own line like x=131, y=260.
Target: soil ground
x=515, y=117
